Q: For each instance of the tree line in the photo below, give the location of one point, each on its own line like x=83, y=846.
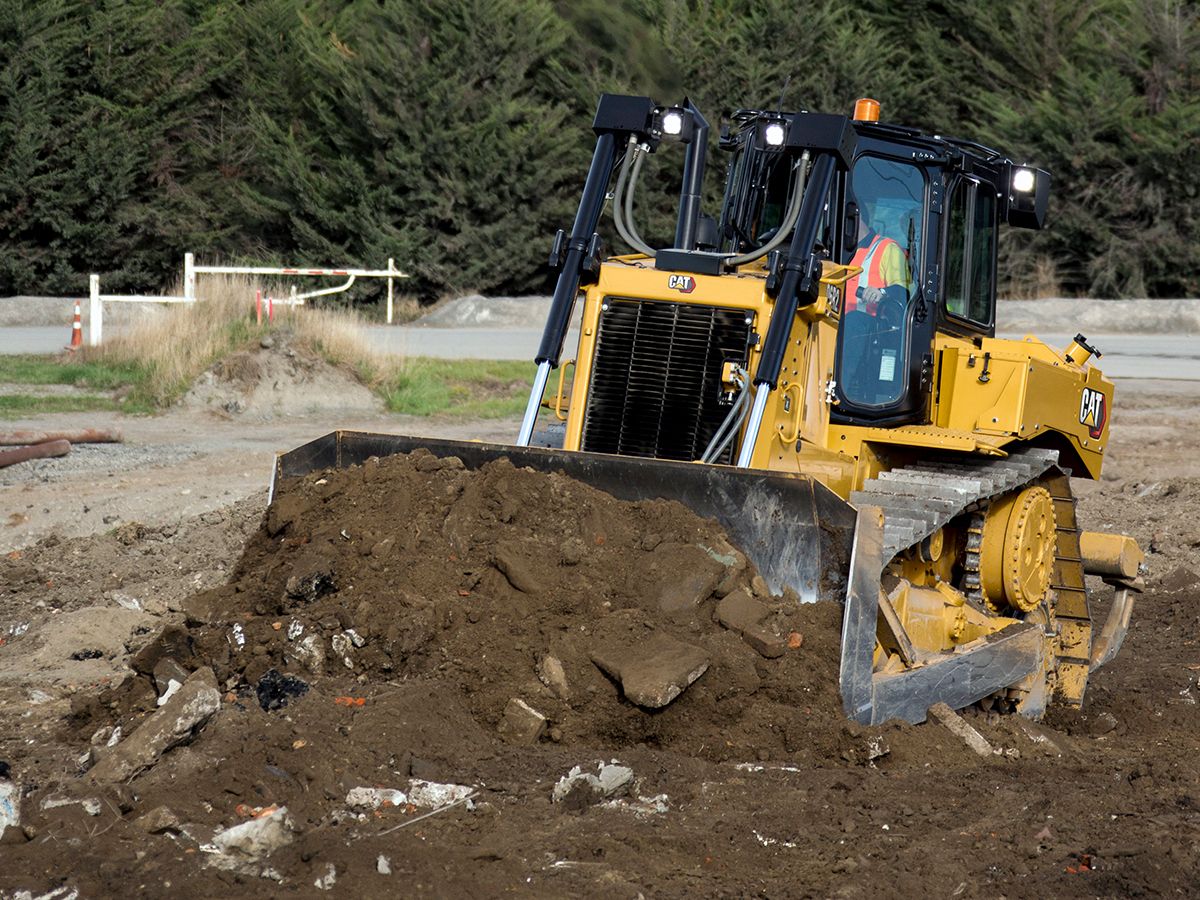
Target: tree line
x=453, y=135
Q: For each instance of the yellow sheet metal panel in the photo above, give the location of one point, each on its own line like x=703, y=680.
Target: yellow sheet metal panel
x=1023, y=389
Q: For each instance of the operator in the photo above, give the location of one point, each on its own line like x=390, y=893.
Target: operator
x=873, y=321
x=884, y=273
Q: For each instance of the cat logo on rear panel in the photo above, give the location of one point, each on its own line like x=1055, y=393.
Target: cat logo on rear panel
x=1093, y=411
x=685, y=284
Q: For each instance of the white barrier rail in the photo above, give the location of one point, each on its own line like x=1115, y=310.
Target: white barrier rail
x=191, y=270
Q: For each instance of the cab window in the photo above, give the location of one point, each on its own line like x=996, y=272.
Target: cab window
x=873, y=334
x=971, y=252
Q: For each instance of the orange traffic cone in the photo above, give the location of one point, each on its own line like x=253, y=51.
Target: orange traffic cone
x=76, y=330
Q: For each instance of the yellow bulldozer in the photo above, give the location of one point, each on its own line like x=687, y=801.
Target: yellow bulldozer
x=816, y=367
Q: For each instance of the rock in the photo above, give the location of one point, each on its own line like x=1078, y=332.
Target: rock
x=167, y=670
x=522, y=724
x=1102, y=724
x=308, y=653
x=434, y=794
x=578, y=789
x=267, y=342
x=90, y=805
x=759, y=585
x=374, y=798
x=419, y=793
x=765, y=641
x=383, y=865
x=739, y=611
x=158, y=821
x=274, y=689
x=256, y=838
x=551, y=673
x=315, y=580
x=654, y=671
x=514, y=567
x=328, y=880
x=169, y=725
x=695, y=575
x=10, y=806
x=343, y=648
x=171, y=642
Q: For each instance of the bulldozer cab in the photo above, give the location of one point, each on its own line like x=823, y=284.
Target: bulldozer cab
x=919, y=216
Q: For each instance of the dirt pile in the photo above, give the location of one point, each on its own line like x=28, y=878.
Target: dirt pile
x=601, y=699
x=507, y=584
x=278, y=379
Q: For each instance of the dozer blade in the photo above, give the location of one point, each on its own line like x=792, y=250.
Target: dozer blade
x=794, y=530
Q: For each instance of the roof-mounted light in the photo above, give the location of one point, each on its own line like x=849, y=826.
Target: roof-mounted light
x=774, y=134
x=673, y=123
x=866, y=110
x=1023, y=180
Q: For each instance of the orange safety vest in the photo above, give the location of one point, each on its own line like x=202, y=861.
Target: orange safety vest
x=870, y=260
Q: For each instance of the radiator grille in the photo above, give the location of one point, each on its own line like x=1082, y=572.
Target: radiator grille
x=656, y=377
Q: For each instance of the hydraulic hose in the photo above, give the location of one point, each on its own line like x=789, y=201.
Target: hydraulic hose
x=633, y=237
x=619, y=193
x=732, y=421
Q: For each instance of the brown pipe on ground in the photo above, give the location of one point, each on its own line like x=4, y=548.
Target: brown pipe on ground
x=36, y=451
x=78, y=436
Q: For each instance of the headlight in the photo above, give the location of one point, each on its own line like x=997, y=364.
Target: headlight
x=1023, y=180
x=672, y=123
x=774, y=134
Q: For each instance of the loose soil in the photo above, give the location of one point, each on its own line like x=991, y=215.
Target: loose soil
x=436, y=595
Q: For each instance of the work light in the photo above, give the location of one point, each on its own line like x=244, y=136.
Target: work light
x=1023, y=180
x=774, y=134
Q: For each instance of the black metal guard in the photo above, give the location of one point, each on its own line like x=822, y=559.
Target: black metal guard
x=801, y=271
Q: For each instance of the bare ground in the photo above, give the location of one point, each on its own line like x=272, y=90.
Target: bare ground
x=105, y=547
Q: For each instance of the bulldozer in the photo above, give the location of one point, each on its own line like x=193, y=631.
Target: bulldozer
x=816, y=367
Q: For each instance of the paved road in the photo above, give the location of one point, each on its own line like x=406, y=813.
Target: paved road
x=1170, y=356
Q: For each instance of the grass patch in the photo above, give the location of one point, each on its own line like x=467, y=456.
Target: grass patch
x=470, y=388
x=17, y=406
x=97, y=374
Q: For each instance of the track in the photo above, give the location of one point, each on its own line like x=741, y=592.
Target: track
x=900, y=509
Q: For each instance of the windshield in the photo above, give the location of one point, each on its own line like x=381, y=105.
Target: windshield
x=874, y=326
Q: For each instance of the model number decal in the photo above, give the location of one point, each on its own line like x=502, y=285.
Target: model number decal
x=1093, y=411
x=685, y=284
x=833, y=295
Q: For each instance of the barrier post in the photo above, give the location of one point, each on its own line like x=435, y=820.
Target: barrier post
x=258, y=306
x=95, y=315
x=270, y=310
x=189, y=277
x=391, y=266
